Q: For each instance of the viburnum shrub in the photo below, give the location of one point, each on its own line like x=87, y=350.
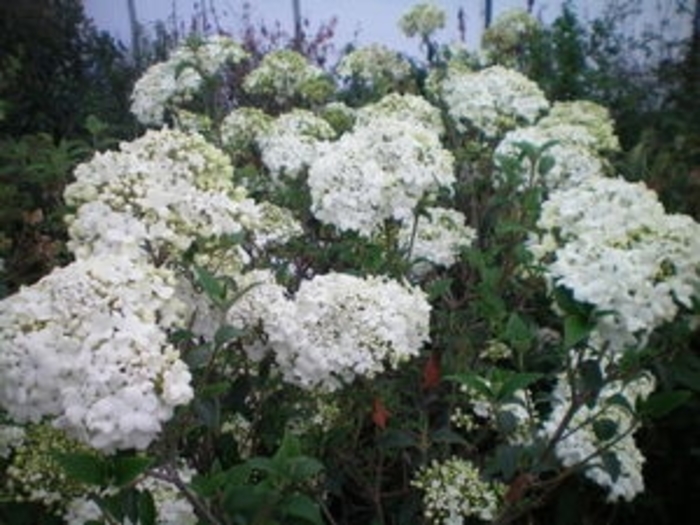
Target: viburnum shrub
x=385, y=306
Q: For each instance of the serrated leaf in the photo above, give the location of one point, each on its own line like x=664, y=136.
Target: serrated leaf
x=660, y=404
x=86, y=468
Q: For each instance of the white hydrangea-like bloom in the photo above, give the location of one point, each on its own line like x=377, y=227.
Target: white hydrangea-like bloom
x=453, y=491
x=349, y=327
x=276, y=225
x=422, y=19
x=286, y=75
x=375, y=66
x=612, y=245
x=573, y=160
x=376, y=172
x=337, y=327
x=492, y=101
x=161, y=192
x=593, y=117
x=502, y=41
x=581, y=442
x=86, y=345
x=436, y=238
x=179, y=78
x=292, y=142
x=241, y=129
x=406, y=108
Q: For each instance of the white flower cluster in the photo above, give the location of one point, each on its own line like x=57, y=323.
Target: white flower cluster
x=375, y=66
x=502, y=41
x=160, y=192
x=179, y=78
x=378, y=171
x=405, y=108
x=454, y=492
x=292, y=142
x=612, y=245
x=436, y=238
x=241, y=129
x=492, y=101
x=336, y=328
x=86, y=346
x=573, y=161
x=286, y=75
x=593, y=117
x=607, y=428
x=422, y=19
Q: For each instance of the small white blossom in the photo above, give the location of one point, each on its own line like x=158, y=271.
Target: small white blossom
x=453, y=491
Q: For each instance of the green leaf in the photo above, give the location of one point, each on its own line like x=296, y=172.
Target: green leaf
x=86, y=468
x=592, y=379
x=126, y=469
x=545, y=164
x=445, y=435
x=576, y=330
x=147, y=508
x=302, y=468
x=263, y=464
x=393, y=438
x=236, y=475
x=227, y=333
x=289, y=448
x=438, y=287
x=209, y=411
x=605, y=429
x=199, y=357
x=474, y=381
x=301, y=507
x=517, y=332
x=517, y=382
x=612, y=464
x=660, y=404
x=213, y=287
